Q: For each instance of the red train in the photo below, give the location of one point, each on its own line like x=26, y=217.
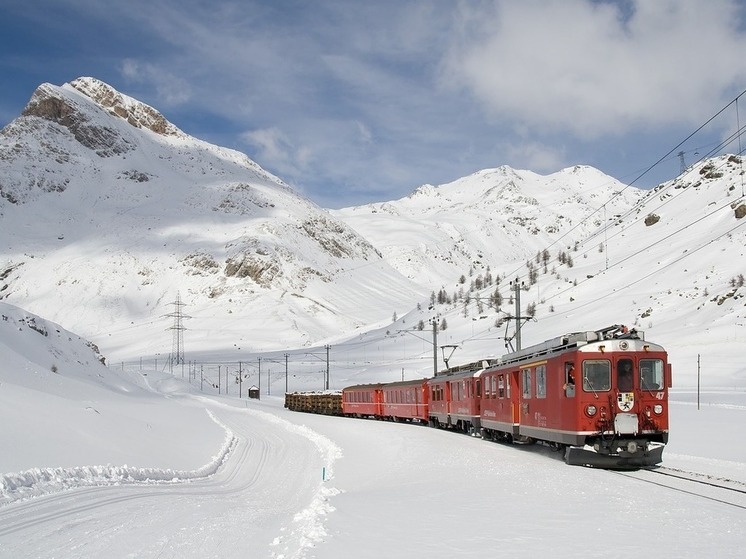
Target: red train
x=602, y=396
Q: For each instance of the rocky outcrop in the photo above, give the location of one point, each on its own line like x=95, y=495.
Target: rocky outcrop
x=136, y=113
x=48, y=104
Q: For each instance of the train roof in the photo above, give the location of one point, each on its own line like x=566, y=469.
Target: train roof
x=573, y=340
x=467, y=368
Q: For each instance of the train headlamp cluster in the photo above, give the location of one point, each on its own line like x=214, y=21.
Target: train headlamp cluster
x=591, y=410
x=658, y=409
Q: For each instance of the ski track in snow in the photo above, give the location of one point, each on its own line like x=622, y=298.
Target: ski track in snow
x=308, y=525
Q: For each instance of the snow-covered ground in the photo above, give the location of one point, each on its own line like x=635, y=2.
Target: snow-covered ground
x=193, y=475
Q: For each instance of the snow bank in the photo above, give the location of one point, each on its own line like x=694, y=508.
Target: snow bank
x=42, y=481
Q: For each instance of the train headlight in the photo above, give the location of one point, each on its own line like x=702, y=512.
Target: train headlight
x=658, y=409
x=632, y=447
x=591, y=410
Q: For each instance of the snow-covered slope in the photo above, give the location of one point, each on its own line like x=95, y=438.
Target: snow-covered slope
x=61, y=407
x=670, y=264
x=109, y=211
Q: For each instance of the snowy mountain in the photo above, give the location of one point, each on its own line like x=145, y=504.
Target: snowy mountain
x=109, y=211
x=492, y=217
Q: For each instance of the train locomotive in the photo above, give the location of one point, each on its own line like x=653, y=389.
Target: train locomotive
x=600, y=396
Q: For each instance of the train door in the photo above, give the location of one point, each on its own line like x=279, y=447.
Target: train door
x=514, y=393
x=566, y=405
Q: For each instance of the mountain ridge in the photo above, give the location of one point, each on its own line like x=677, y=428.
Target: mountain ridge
x=102, y=242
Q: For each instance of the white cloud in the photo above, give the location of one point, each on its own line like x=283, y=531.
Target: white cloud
x=592, y=69
x=535, y=156
x=273, y=147
x=171, y=90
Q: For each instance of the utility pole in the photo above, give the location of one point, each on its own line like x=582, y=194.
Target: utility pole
x=683, y=163
x=516, y=286
x=435, y=346
x=286, y=373
x=326, y=382
x=259, y=388
x=240, y=379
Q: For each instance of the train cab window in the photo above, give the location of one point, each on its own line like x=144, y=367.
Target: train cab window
x=526, y=373
x=625, y=376
x=596, y=375
x=541, y=381
x=651, y=374
x=569, y=384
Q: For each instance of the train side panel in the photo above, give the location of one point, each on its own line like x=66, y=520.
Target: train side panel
x=455, y=400
x=406, y=401
x=362, y=400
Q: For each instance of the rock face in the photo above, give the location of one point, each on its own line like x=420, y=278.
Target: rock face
x=47, y=104
x=136, y=113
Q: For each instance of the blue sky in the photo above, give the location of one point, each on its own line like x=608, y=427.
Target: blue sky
x=353, y=101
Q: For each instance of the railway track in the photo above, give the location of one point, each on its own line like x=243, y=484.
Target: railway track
x=722, y=490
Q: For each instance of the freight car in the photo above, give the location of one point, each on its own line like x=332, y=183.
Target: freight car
x=600, y=396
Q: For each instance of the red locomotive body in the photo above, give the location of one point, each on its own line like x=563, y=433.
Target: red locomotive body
x=406, y=400
x=362, y=400
x=455, y=398
x=603, y=395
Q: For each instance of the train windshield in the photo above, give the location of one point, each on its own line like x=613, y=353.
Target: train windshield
x=651, y=374
x=596, y=375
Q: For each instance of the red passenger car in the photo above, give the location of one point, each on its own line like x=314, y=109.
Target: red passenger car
x=455, y=398
x=406, y=400
x=362, y=400
x=602, y=394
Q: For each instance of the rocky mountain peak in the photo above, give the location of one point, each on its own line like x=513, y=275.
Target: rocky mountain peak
x=136, y=113
x=56, y=105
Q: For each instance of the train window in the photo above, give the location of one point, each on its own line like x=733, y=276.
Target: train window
x=596, y=375
x=526, y=383
x=501, y=386
x=651, y=374
x=541, y=381
x=625, y=376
